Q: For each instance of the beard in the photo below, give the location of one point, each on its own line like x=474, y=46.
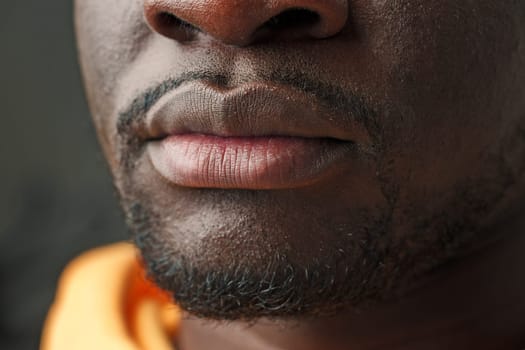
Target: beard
x=289, y=254
x=233, y=261
x=253, y=278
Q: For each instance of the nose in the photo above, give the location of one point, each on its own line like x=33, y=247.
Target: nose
x=242, y=22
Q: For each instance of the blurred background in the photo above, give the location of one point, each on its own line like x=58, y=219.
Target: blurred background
x=56, y=198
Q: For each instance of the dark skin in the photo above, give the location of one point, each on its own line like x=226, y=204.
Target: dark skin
x=413, y=240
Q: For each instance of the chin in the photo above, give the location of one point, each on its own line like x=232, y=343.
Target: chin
x=245, y=254
x=245, y=261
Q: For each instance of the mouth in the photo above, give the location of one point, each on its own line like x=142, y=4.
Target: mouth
x=266, y=162
x=255, y=136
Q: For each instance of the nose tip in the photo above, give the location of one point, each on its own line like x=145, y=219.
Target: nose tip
x=242, y=22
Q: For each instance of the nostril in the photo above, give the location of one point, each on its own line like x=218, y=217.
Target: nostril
x=293, y=18
x=167, y=19
x=242, y=22
x=172, y=26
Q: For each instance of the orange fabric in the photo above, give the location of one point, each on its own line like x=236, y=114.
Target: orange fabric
x=105, y=302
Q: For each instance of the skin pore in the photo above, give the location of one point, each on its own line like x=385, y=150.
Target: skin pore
x=412, y=239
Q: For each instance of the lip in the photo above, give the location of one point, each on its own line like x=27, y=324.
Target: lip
x=255, y=136
x=258, y=163
x=256, y=109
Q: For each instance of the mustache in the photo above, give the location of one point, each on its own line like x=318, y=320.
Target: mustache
x=137, y=110
x=349, y=107
x=334, y=98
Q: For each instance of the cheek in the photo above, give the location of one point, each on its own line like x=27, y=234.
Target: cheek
x=110, y=35
x=448, y=65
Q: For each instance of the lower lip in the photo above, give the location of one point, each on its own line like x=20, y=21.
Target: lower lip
x=204, y=161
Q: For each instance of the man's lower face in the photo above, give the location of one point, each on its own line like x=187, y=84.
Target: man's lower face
x=243, y=254
x=297, y=177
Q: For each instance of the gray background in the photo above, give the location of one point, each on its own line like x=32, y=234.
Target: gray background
x=56, y=198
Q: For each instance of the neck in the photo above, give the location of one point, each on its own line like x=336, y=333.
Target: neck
x=475, y=302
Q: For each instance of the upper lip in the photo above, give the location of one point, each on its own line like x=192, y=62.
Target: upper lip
x=249, y=110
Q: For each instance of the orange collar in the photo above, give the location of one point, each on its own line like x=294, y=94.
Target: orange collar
x=105, y=302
